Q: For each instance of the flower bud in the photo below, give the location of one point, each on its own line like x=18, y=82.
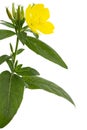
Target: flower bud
x=18, y=13
x=9, y=14
x=13, y=10
x=22, y=12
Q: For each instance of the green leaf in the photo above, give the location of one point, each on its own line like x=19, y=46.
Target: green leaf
x=10, y=64
x=36, y=35
x=16, y=63
x=27, y=71
x=3, y=58
x=6, y=33
x=11, y=48
x=18, y=67
x=20, y=51
x=24, y=28
x=40, y=83
x=42, y=49
x=11, y=94
x=7, y=24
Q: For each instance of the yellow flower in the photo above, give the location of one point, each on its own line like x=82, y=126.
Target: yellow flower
x=37, y=19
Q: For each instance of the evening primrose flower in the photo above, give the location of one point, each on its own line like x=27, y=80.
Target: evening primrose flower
x=36, y=17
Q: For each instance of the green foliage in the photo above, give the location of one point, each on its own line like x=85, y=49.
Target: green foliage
x=42, y=49
x=6, y=33
x=10, y=64
x=11, y=48
x=3, y=58
x=11, y=94
x=26, y=71
x=8, y=24
x=20, y=51
x=12, y=83
x=34, y=82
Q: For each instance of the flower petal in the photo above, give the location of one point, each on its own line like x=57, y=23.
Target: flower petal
x=36, y=17
x=45, y=14
x=27, y=13
x=46, y=28
x=40, y=12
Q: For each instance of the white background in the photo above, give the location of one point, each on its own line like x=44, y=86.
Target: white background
x=41, y=110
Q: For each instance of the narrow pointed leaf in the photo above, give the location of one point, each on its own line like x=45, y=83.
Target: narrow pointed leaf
x=20, y=51
x=27, y=71
x=11, y=48
x=10, y=64
x=40, y=83
x=11, y=94
x=6, y=33
x=25, y=28
x=42, y=49
x=18, y=67
x=3, y=58
x=7, y=24
x=36, y=35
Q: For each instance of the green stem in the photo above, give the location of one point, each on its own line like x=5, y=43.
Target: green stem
x=15, y=53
